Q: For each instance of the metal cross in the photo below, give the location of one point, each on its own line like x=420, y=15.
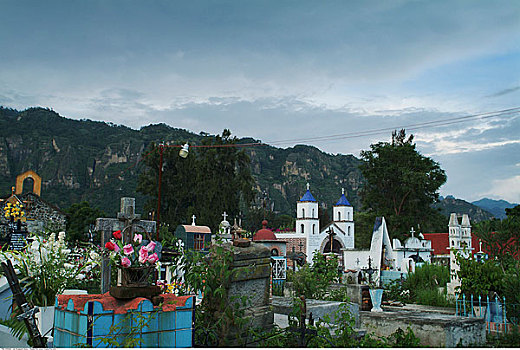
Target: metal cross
x=357, y=261
x=300, y=245
x=225, y=215
x=412, y=231
x=193, y=217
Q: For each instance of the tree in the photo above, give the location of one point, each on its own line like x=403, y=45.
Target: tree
x=213, y=178
x=79, y=217
x=401, y=184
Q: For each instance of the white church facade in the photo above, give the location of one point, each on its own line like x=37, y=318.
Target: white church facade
x=308, y=238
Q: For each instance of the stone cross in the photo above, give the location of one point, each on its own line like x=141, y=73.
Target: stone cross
x=193, y=217
x=125, y=218
x=412, y=231
x=225, y=215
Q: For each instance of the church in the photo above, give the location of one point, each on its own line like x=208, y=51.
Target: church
x=307, y=238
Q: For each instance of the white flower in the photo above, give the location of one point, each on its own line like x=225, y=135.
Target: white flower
x=61, y=236
x=80, y=276
x=94, y=256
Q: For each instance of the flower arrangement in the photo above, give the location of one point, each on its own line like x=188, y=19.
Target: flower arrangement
x=46, y=267
x=138, y=253
x=14, y=212
x=175, y=287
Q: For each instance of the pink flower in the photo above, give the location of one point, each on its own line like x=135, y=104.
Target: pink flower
x=153, y=258
x=125, y=262
x=128, y=249
x=138, y=238
x=150, y=247
x=143, y=255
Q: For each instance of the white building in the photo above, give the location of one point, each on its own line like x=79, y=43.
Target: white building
x=387, y=258
x=459, y=243
x=308, y=238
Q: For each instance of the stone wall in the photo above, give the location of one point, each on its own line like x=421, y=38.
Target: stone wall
x=251, y=278
x=42, y=215
x=433, y=329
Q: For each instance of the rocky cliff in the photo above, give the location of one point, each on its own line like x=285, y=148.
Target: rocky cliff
x=100, y=162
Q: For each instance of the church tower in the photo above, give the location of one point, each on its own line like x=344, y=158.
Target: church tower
x=307, y=221
x=459, y=243
x=343, y=217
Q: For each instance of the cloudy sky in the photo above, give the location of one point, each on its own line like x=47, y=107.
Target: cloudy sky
x=284, y=70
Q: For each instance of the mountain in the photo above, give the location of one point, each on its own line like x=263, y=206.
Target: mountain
x=495, y=207
x=99, y=162
x=449, y=205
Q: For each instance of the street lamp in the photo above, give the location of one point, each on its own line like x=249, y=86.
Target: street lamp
x=183, y=153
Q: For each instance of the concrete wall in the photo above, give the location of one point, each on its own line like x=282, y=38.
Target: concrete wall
x=434, y=330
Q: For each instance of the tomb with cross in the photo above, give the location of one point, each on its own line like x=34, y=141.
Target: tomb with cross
x=194, y=237
x=127, y=221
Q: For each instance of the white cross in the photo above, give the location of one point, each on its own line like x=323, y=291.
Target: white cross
x=308, y=186
x=412, y=231
x=193, y=217
x=225, y=216
x=342, y=191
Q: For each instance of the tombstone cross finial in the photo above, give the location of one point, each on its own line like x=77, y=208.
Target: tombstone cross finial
x=412, y=231
x=308, y=186
x=193, y=217
x=225, y=215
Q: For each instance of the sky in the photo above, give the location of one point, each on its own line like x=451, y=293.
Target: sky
x=284, y=70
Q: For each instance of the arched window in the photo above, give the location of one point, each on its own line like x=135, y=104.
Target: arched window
x=348, y=231
x=313, y=228
x=302, y=227
x=339, y=216
x=274, y=252
x=303, y=213
x=313, y=213
x=452, y=243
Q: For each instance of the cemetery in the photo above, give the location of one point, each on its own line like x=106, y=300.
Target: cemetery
x=147, y=286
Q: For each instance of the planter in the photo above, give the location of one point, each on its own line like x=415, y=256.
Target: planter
x=136, y=276
x=135, y=282
x=377, y=296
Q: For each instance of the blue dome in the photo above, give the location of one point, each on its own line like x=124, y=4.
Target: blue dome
x=307, y=197
x=343, y=200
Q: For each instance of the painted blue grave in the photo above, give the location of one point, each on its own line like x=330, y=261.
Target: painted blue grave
x=90, y=320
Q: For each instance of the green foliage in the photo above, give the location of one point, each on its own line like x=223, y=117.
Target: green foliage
x=313, y=281
x=402, y=339
x=501, y=340
x=254, y=217
x=401, y=184
x=421, y=286
x=480, y=278
x=220, y=317
x=79, y=217
x=221, y=174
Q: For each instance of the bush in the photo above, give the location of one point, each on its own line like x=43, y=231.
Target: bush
x=313, y=281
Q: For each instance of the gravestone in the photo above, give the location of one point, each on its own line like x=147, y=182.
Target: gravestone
x=252, y=282
x=18, y=240
x=126, y=217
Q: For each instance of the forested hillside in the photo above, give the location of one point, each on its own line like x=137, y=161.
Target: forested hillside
x=99, y=162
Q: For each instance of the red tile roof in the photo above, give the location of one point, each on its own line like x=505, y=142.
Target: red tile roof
x=441, y=243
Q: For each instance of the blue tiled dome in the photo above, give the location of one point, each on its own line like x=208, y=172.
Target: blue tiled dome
x=307, y=197
x=343, y=200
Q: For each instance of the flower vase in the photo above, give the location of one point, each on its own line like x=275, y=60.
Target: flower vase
x=135, y=282
x=45, y=320
x=376, y=295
